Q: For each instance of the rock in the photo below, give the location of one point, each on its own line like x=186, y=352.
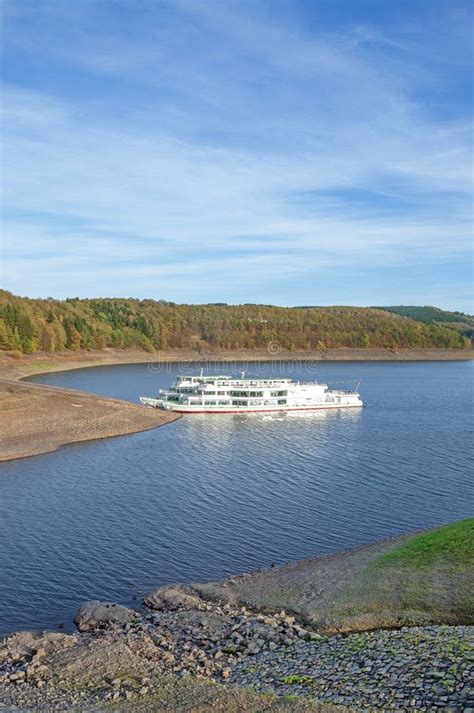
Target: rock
x=17, y=646
x=253, y=647
x=102, y=615
x=436, y=674
x=174, y=597
x=41, y=669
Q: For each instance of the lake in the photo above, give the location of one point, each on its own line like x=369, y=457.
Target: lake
x=210, y=496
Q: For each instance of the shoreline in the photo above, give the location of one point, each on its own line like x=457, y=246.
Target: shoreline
x=37, y=419
x=285, y=636
x=21, y=367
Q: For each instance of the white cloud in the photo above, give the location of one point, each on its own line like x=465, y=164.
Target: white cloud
x=208, y=159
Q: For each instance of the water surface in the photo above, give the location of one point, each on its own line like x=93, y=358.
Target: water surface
x=208, y=496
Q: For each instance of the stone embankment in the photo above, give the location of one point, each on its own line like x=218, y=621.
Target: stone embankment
x=125, y=658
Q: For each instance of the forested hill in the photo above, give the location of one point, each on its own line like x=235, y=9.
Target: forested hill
x=460, y=321
x=30, y=325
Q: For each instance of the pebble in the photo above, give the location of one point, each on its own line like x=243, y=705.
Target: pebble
x=421, y=668
x=354, y=670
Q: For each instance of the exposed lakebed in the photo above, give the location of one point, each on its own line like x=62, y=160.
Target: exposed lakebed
x=208, y=496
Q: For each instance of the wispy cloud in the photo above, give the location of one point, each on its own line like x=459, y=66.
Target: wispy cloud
x=198, y=151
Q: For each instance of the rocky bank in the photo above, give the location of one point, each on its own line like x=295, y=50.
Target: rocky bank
x=181, y=647
x=384, y=627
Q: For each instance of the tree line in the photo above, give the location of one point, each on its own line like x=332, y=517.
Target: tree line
x=31, y=325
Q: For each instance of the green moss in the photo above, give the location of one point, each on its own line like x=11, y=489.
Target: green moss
x=452, y=543
x=43, y=365
x=356, y=643
x=295, y=680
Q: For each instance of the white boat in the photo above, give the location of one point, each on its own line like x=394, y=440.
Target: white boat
x=227, y=394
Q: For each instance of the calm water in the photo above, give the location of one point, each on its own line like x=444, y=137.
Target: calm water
x=209, y=496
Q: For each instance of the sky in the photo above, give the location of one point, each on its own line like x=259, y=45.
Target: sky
x=288, y=152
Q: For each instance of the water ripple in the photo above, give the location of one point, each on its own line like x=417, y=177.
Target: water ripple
x=207, y=497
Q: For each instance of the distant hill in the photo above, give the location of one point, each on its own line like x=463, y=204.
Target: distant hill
x=460, y=321
x=30, y=325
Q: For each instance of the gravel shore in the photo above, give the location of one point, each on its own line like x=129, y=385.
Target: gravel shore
x=422, y=668
x=223, y=652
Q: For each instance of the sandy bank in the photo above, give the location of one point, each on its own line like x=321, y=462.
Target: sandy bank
x=38, y=419
x=28, y=364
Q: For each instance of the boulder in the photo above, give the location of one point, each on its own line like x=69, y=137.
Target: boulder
x=174, y=597
x=102, y=615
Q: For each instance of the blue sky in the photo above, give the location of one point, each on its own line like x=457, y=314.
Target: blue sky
x=277, y=151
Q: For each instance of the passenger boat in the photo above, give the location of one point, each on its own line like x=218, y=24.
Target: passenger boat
x=227, y=394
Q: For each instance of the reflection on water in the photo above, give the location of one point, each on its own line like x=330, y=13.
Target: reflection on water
x=208, y=496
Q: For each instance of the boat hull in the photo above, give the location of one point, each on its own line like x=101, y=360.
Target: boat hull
x=216, y=411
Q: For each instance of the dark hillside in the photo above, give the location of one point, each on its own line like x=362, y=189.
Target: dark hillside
x=460, y=321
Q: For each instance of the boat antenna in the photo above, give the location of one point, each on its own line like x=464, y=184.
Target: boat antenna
x=202, y=372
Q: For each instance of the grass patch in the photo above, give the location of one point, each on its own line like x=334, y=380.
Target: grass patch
x=427, y=579
x=295, y=680
x=44, y=365
x=356, y=643
x=453, y=544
